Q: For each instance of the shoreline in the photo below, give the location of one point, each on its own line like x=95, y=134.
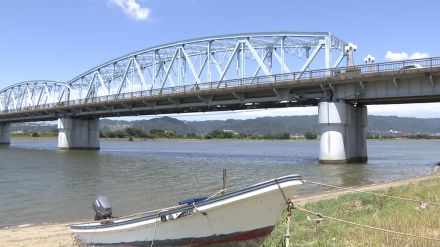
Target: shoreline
x=54, y=138
x=58, y=234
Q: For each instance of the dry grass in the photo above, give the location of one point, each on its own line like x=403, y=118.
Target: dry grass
x=388, y=213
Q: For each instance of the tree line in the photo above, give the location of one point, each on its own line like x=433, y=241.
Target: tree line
x=132, y=132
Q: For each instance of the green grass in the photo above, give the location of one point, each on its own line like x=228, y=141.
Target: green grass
x=387, y=213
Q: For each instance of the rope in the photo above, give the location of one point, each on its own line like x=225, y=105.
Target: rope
x=282, y=192
x=155, y=228
x=290, y=207
x=288, y=217
x=217, y=193
x=372, y=193
x=364, y=226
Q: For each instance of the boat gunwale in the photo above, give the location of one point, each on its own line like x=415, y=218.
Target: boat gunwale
x=87, y=226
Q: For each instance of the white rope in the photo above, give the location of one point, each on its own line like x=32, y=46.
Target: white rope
x=372, y=193
x=155, y=228
x=290, y=207
x=364, y=226
x=288, y=218
x=217, y=193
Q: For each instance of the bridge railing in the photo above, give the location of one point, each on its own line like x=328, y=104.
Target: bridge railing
x=195, y=88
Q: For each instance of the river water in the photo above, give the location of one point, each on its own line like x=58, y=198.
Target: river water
x=39, y=183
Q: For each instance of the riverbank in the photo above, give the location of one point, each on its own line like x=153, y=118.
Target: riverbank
x=30, y=138
x=415, y=218
x=304, y=231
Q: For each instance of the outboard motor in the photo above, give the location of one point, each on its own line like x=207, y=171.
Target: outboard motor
x=102, y=208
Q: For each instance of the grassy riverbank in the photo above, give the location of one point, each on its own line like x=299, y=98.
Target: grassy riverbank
x=387, y=213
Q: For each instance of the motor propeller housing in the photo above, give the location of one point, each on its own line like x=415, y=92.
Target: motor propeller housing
x=102, y=207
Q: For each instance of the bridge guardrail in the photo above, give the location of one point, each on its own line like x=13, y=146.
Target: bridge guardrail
x=311, y=74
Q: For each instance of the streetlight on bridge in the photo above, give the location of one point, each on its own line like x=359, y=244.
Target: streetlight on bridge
x=350, y=49
x=369, y=60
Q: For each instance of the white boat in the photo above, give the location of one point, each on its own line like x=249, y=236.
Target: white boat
x=240, y=218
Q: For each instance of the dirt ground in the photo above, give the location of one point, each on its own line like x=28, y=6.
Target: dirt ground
x=37, y=236
x=48, y=235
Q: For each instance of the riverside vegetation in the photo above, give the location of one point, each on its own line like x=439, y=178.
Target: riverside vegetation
x=367, y=209
x=172, y=134
x=214, y=134
x=138, y=133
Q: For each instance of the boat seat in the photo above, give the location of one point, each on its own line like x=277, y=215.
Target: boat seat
x=192, y=200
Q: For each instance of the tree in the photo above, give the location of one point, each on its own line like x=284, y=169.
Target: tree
x=220, y=134
x=309, y=135
x=111, y=134
x=282, y=136
x=157, y=133
x=120, y=134
x=192, y=136
x=170, y=134
x=136, y=132
x=102, y=134
x=35, y=134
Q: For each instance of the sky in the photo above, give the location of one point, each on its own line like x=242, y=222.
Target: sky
x=60, y=39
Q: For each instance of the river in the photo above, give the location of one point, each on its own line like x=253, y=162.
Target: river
x=39, y=183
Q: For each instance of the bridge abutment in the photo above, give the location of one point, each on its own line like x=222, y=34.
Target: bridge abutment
x=343, y=132
x=78, y=133
x=5, y=136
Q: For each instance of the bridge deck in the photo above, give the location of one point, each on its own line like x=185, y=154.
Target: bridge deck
x=358, y=86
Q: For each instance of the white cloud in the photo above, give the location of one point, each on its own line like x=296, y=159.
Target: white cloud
x=396, y=56
x=132, y=9
x=419, y=55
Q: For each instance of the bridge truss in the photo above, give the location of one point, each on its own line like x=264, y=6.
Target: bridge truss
x=190, y=65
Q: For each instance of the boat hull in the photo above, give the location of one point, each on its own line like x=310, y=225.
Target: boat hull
x=239, y=239
x=241, y=219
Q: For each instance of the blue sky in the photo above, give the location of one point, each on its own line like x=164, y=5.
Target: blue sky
x=59, y=39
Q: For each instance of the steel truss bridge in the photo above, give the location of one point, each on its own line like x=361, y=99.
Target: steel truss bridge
x=148, y=81
x=231, y=72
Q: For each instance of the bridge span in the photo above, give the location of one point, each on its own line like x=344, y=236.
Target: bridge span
x=232, y=72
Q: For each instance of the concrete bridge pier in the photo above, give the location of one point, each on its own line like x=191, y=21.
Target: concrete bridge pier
x=75, y=133
x=343, y=132
x=5, y=136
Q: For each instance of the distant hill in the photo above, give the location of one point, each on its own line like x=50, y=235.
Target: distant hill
x=263, y=125
x=404, y=124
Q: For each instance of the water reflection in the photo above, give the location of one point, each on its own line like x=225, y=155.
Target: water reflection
x=346, y=174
